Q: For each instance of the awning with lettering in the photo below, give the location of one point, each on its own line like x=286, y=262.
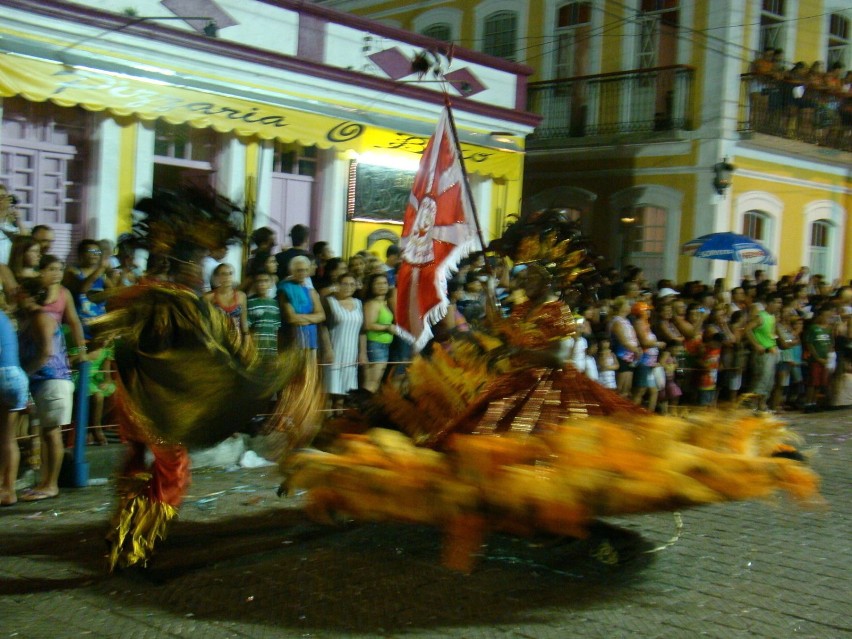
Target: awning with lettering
x=127, y=95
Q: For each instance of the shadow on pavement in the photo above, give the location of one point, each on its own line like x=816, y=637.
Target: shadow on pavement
x=278, y=569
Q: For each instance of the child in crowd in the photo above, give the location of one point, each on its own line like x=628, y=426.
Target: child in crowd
x=472, y=301
x=670, y=396
x=820, y=352
x=264, y=316
x=607, y=364
x=591, y=357
x=738, y=356
x=711, y=353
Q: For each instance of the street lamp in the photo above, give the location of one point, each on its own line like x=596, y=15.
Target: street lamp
x=723, y=171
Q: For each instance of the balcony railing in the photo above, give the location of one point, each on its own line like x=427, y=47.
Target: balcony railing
x=795, y=111
x=638, y=101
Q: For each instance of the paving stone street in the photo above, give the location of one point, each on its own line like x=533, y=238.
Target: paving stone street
x=241, y=562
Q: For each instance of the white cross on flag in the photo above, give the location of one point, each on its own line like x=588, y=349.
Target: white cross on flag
x=437, y=232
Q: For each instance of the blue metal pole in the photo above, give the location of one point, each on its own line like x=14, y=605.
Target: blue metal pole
x=80, y=467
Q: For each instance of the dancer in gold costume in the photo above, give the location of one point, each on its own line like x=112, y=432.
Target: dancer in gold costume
x=498, y=433
x=186, y=377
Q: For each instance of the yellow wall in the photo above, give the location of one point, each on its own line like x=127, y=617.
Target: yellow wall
x=795, y=197
x=126, y=175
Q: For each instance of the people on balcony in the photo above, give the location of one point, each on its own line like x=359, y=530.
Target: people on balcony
x=804, y=102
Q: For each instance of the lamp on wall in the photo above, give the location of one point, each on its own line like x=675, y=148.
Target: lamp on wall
x=723, y=171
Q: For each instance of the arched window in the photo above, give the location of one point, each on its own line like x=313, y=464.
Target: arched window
x=644, y=244
x=500, y=34
x=572, y=39
x=439, y=31
x=755, y=226
x=839, y=39
x=819, y=255
x=772, y=19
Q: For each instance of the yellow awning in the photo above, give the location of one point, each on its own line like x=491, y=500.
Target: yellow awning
x=126, y=95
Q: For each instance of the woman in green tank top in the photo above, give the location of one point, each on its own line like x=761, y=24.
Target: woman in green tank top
x=379, y=328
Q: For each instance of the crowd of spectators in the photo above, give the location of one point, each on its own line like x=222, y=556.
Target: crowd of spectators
x=784, y=345
x=801, y=100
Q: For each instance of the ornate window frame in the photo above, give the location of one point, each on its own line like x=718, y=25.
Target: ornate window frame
x=488, y=7
x=834, y=214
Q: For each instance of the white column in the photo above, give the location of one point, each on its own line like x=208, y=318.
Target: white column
x=231, y=170
x=482, y=190
x=264, y=185
x=332, y=196
x=231, y=182
x=102, y=209
x=143, y=180
x=719, y=112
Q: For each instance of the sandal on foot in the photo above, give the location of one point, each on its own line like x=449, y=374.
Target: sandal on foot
x=36, y=495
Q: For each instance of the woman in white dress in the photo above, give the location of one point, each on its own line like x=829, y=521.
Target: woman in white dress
x=344, y=346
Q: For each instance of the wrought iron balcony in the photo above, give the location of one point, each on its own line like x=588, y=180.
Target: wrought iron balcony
x=793, y=110
x=641, y=101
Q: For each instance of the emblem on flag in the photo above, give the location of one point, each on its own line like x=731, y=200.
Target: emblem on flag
x=438, y=231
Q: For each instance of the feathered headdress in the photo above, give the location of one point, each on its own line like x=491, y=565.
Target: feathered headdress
x=192, y=215
x=547, y=237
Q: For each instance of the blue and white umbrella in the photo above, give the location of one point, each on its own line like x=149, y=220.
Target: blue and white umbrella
x=732, y=247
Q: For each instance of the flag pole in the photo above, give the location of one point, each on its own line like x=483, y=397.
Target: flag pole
x=492, y=307
x=464, y=177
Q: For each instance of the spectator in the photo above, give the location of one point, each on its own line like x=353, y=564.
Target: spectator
x=645, y=381
x=761, y=334
x=344, y=345
x=9, y=222
x=88, y=282
x=789, y=373
x=472, y=300
x=819, y=351
x=735, y=359
x=45, y=360
x=14, y=390
x=357, y=267
x=607, y=364
x=666, y=328
x=209, y=264
x=264, y=240
x=321, y=253
x=380, y=329
x=128, y=272
x=300, y=305
x=44, y=235
x=264, y=316
x=711, y=352
x=328, y=283
x=392, y=259
x=24, y=257
x=228, y=299
x=299, y=239
x=454, y=321
x=625, y=345
x=671, y=392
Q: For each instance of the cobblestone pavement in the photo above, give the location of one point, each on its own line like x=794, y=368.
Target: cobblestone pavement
x=241, y=562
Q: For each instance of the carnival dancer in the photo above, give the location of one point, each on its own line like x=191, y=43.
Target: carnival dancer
x=185, y=377
x=498, y=432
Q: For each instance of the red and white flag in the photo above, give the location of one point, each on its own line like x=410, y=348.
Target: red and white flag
x=438, y=231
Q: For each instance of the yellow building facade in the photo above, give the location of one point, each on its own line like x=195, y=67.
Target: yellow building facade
x=655, y=129
x=297, y=113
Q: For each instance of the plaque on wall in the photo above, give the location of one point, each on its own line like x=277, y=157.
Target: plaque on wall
x=378, y=193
